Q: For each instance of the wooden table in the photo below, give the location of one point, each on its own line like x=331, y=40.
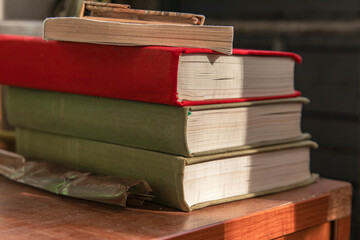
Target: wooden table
x=318, y=211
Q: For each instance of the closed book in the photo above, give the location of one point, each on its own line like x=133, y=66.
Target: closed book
x=186, y=131
x=166, y=75
x=179, y=182
x=106, y=31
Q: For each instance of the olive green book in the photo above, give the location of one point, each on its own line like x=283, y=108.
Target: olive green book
x=180, y=182
x=186, y=131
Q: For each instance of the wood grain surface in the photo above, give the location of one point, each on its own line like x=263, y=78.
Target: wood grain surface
x=342, y=228
x=29, y=213
x=322, y=232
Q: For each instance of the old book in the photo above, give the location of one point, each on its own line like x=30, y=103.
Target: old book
x=183, y=183
x=166, y=75
x=187, y=131
x=124, y=13
x=76, y=29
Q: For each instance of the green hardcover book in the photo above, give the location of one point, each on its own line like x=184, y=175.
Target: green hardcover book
x=185, y=131
x=180, y=182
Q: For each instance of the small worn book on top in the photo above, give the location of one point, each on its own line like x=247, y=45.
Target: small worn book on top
x=118, y=24
x=75, y=29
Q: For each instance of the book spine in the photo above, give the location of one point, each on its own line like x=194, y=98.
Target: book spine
x=146, y=74
x=142, y=125
x=163, y=172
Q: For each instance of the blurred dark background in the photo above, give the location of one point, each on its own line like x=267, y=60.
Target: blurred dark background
x=325, y=33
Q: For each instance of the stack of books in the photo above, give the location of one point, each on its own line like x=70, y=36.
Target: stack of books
x=200, y=127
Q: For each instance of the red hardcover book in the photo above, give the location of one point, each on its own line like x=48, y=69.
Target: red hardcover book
x=149, y=74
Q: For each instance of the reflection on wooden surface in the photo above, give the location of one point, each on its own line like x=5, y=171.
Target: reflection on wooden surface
x=26, y=211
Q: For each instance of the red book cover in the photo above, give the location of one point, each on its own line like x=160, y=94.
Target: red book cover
x=146, y=74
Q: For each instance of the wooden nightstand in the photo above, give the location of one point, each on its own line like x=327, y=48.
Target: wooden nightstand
x=318, y=211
